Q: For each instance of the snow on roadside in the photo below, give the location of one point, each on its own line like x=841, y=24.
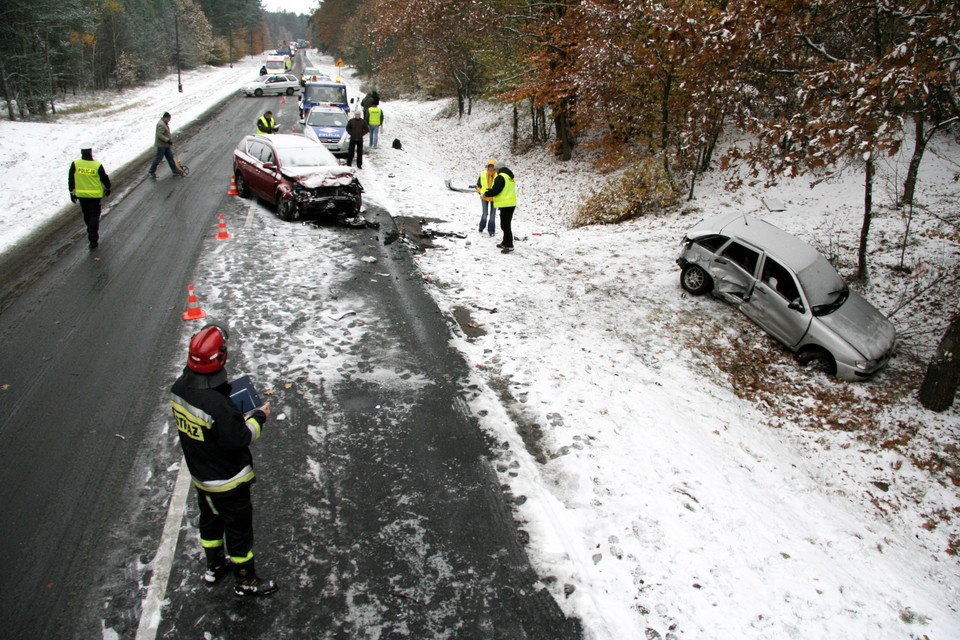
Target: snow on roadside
x=666, y=493
x=120, y=125
x=656, y=499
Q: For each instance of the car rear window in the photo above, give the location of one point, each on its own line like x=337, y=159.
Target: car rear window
x=712, y=243
x=743, y=256
x=306, y=157
x=320, y=93
x=327, y=118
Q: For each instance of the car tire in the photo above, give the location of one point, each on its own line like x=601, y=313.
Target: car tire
x=258, y=92
x=695, y=280
x=818, y=359
x=289, y=91
x=242, y=189
x=286, y=208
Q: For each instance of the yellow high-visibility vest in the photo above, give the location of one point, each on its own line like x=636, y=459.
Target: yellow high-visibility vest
x=508, y=195
x=86, y=179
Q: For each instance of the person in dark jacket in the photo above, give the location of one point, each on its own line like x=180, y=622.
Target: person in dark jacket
x=356, y=129
x=503, y=195
x=266, y=123
x=215, y=438
x=263, y=70
x=88, y=182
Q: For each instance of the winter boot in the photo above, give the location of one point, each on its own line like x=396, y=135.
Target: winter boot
x=217, y=564
x=247, y=582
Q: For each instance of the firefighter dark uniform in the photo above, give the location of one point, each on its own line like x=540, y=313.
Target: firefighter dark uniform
x=88, y=183
x=215, y=438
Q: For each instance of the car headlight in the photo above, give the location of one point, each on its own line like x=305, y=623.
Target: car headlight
x=865, y=365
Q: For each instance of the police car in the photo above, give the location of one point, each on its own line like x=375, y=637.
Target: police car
x=328, y=126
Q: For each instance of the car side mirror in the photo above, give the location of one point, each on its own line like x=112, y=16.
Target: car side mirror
x=269, y=165
x=795, y=305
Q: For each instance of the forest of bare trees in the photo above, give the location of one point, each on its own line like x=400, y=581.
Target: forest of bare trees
x=52, y=47
x=817, y=86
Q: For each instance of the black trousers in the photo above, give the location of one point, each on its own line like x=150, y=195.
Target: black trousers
x=229, y=517
x=355, y=145
x=91, y=217
x=506, y=223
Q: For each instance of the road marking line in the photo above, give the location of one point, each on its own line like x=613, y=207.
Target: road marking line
x=249, y=221
x=163, y=561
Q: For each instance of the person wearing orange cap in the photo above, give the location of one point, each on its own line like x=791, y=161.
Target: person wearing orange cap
x=485, y=182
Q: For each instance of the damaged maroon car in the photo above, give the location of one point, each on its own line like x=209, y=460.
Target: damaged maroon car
x=298, y=175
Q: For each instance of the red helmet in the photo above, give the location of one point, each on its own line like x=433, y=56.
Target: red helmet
x=208, y=349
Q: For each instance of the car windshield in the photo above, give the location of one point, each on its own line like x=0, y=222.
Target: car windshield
x=305, y=157
x=327, y=119
x=321, y=93
x=260, y=80
x=311, y=72
x=824, y=287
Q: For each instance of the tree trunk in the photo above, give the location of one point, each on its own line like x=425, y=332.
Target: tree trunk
x=867, y=215
x=533, y=122
x=943, y=373
x=561, y=120
x=516, y=128
x=919, y=146
x=7, y=95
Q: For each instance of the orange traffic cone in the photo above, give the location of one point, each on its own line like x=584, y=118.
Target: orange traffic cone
x=223, y=235
x=193, y=312
x=293, y=129
x=283, y=100
x=233, y=187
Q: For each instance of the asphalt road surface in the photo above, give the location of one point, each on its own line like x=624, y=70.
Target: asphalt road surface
x=407, y=534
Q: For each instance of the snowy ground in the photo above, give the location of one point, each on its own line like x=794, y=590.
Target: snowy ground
x=683, y=477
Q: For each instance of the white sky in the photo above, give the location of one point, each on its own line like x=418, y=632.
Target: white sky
x=294, y=6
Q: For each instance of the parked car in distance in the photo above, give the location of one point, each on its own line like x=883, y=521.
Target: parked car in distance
x=328, y=126
x=276, y=83
x=297, y=175
x=790, y=290
x=312, y=73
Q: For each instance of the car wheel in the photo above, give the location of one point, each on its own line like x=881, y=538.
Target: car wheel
x=286, y=208
x=289, y=91
x=258, y=92
x=818, y=359
x=242, y=189
x=695, y=280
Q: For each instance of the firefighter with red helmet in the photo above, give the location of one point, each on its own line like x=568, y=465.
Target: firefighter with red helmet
x=215, y=438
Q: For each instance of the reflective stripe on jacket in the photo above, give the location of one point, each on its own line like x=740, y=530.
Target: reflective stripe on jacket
x=86, y=179
x=375, y=115
x=214, y=436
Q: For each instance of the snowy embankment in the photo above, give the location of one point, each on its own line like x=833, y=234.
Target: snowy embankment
x=668, y=487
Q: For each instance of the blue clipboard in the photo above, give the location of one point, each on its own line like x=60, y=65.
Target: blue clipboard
x=244, y=394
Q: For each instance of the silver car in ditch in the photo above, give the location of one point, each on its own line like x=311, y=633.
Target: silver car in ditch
x=790, y=290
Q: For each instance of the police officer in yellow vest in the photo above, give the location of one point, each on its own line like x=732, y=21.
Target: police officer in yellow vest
x=503, y=195
x=266, y=123
x=374, y=121
x=88, y=182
